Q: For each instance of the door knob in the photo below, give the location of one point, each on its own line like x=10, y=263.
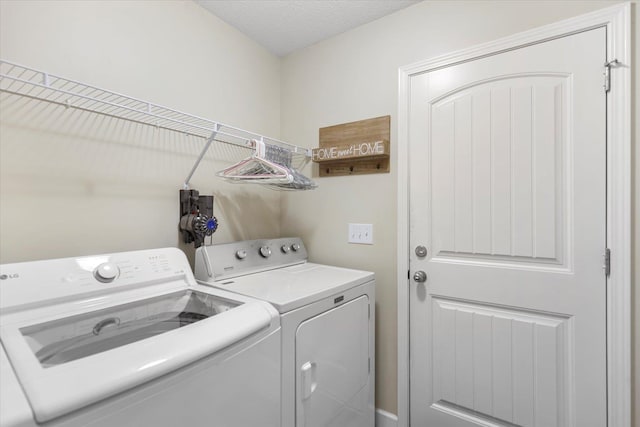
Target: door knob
x=421, y=251
x=420, y=276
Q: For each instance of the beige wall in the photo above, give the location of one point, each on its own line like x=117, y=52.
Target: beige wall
x=75, y=183
x=353, y=76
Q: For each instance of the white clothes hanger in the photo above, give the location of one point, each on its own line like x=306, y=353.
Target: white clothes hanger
x=269, y=165
x=258, y=169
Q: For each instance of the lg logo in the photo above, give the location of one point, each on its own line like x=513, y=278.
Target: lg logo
x=9, y=276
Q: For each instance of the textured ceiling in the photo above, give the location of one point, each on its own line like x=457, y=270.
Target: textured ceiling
x=284, y=26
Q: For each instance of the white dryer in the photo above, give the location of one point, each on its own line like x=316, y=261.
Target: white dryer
x=130, y=339
x=327, y=318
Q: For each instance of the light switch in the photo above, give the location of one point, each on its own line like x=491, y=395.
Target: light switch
x=361, y=233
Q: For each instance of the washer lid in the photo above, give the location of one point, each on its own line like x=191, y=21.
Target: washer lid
x=292, y=287
x=67, y=361
x=72, y=338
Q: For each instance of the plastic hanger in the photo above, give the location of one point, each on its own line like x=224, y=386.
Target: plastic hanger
x=257, y=168
x=269, y=165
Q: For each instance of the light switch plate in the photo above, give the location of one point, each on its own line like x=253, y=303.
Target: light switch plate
x=360, y=233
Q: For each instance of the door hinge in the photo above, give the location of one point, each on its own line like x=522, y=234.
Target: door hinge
x=607, y=262
x=607, y=74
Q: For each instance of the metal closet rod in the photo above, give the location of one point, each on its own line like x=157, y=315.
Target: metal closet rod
x=40, y=85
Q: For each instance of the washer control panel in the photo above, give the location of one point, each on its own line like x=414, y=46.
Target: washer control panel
x=248, y=256
x=32, y=282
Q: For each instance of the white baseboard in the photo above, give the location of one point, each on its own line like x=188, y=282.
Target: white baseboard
x=386, y=419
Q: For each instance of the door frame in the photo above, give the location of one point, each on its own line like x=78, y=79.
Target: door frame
x=617, y=20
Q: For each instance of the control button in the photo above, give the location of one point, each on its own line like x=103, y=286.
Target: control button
x=265, y=251
x=241, y=254
x=295, y=247
x=285, y=249
x=106, y=272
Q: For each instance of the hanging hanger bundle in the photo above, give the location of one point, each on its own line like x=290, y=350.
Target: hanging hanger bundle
x=269, y=165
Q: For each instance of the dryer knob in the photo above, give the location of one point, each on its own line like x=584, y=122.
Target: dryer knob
x=106, y=272
x=295, y=247
x=285, y=249
x=241, y=254
x=265, y=251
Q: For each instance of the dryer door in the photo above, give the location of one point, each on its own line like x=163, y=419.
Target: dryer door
x=333, y=372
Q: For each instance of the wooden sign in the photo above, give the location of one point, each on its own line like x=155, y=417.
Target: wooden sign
x=354, y=148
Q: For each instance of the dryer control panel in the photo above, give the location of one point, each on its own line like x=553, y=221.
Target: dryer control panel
x=217, y=262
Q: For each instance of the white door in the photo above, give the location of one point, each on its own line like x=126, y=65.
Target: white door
x=507, y=195
x=333, y=364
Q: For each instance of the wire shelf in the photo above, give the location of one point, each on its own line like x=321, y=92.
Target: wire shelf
x=39, y=85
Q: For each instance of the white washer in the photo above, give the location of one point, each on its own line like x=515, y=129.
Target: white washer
x=130, y=339
x=327, y=318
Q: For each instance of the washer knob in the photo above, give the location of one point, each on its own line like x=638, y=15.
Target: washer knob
x=106, y=272
x=241, y=254
x=285, y=249
x=295, y=247
x=265, y=251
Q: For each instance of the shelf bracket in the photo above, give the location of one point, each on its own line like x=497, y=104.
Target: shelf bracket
x=216, y=128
